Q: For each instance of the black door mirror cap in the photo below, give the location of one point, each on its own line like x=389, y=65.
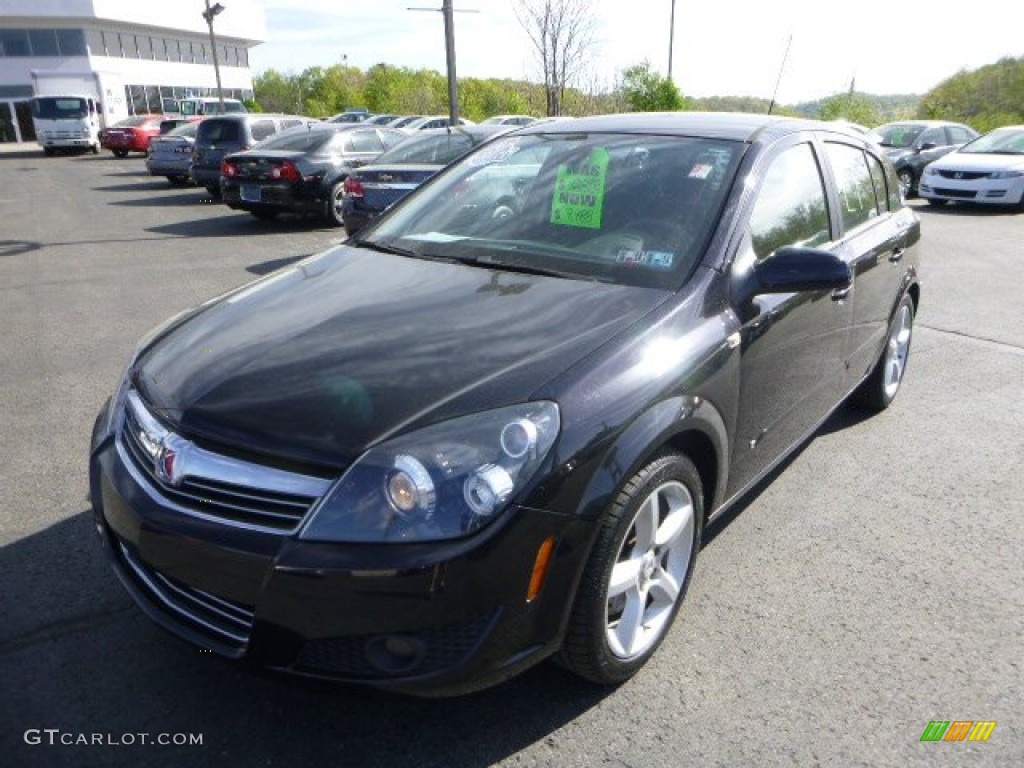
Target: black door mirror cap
x=793, y=269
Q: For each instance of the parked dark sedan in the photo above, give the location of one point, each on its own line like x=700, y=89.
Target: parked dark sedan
x=302, y=170
x=912, y=144
x=456, y=445
x=373, y=189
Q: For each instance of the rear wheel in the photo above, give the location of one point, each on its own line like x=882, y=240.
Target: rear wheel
x=638, y=572
x=49, y=151
x=879, y=389
x=214, y=191
x=334, y=202
x=120, y=152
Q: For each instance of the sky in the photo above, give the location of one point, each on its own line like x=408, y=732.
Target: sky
x=721, y=47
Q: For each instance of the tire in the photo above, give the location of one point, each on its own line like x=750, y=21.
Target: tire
x=94, y=148
x=332, y=208
x=907, y=183
x=882, y=385
x=214, y=191
x=264, y=215
x=178, y=181
x=632, y=586
x=49, y=151
x=120, y=152
x=935, y=202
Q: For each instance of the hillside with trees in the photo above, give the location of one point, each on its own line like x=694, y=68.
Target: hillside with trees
x=984, y=98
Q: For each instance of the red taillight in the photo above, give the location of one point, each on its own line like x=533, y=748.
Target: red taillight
x=228, y=169
x=286, y=171
x=353, y=187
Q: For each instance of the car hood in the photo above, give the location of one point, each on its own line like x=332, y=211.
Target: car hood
x=317, y=362
x=978, y=161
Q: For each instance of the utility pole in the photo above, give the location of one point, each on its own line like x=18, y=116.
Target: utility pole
x=209, y=14
x=671, y=36
x=448, y=12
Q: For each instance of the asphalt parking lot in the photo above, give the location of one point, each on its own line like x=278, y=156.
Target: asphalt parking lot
x=876, y=584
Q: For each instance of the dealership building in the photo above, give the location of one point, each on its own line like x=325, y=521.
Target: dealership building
x=159, y=50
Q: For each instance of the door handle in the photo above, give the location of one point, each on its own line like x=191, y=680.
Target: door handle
x=896, y=255
x=840, y=294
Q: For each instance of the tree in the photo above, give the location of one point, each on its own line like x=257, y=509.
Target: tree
x=647, y=91
x=561, y=33
x=853, y=107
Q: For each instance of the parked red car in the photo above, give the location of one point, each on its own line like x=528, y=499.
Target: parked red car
x=132, y=134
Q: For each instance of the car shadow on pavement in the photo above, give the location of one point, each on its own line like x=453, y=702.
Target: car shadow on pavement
x=235, y=223
x=148, y=184
x=78, y=656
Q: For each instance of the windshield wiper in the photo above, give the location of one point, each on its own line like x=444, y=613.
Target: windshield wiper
x=373, y=245
x=488, y=262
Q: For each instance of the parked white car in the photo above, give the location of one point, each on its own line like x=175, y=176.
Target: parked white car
x=988, y=170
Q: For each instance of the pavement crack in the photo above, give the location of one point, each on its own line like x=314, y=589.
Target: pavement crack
x=59, y=629
x=1015, y=348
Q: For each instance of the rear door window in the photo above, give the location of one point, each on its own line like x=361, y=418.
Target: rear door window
x=261, y=129
x=856, y=190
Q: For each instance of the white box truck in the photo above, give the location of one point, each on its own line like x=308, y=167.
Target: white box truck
x=69, y=109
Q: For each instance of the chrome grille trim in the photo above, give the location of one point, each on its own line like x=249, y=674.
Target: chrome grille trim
x=217, y=487
x=228, y=621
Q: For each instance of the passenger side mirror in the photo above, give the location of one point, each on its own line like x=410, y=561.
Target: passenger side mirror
x=792, y=269
x=927, y=145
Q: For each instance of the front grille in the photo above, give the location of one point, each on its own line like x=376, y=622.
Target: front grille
x=226, y=623
x=215, y=490
x=966, y=194
x=963, y=175
x=347, y=657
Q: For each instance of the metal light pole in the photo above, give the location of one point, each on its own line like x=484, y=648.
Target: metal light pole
x=208, y=14
x=449, y=46
x=671, y=37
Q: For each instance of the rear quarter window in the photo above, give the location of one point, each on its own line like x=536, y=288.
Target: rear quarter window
x=261, y=129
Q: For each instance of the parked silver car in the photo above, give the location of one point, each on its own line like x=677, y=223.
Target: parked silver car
x=170, y=155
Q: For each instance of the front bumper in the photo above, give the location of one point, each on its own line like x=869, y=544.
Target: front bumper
x=985, y=191
x=436, y=618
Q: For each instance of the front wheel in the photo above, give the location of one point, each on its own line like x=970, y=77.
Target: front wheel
x=906, y=179
x=120, y=152
x=94, y=148
x=879, y=389
x=638, y=572
x=332, y=208
x=49, y=151
x=935, y=202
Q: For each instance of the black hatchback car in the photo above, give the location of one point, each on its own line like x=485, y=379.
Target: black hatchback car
x=912, y=144
x=302, y=170
x=456, y=445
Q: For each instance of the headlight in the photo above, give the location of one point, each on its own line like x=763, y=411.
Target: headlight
x=1005, y=174
x=929, y=171
x=441, y=482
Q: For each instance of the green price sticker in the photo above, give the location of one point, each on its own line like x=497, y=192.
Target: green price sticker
x=579, y=194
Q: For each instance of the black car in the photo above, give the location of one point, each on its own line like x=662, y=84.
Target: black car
x=393, y=175
x=456, y=445
x=301, y=170
x=912, y=144
x=221, y=135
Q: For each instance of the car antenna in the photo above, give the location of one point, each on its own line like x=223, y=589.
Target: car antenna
x=779, y=78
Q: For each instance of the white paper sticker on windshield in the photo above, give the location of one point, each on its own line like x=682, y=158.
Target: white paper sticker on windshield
x=494, y=153
x=701, y=171
x=435, y=237
x=653, y=259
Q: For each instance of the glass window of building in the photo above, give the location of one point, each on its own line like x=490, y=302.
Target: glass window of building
x=43, y=42
x=71, y=42
x=14, y=42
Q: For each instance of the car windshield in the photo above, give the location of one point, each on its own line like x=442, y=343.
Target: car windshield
x=59, y=108
x=897, y=135
x=218, y=130
x=297, y=140
x=635, y=210
x=436, y=149
x=1002, y=141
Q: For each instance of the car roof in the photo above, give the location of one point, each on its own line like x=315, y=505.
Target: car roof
x=737, y=126
x=921, y=123
x=475, y=130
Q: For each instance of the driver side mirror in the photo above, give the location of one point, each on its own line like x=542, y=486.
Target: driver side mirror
x=926, y=146
x=793, y=269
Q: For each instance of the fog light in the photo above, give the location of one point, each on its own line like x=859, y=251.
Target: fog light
x=487, y=488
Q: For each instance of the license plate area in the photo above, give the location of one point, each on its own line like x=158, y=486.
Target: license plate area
x=250, y=193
